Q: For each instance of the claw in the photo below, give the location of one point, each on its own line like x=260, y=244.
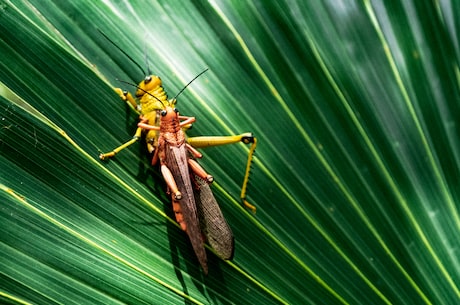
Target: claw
x=246, y=139
x=107, y=155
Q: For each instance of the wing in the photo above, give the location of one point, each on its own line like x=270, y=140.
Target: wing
x=176, y=158
x=212, y=221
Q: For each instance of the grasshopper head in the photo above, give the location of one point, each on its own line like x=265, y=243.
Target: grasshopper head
x=169, y=113
x=150, y=83
x=151, y=95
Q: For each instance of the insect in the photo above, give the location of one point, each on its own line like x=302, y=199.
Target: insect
x=194, y=205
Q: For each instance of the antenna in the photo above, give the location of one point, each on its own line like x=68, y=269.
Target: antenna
x=182, y=90
x=146, y=56
x=122, y=51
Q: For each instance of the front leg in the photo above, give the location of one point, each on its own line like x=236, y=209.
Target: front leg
x=183, y=124
x=128, y=98
x=111, y=154
x=148, y=126
x=187, y=121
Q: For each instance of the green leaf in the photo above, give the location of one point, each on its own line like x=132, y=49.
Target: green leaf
x=355, y=106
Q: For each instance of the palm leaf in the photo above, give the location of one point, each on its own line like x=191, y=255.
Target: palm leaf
x=355, y=106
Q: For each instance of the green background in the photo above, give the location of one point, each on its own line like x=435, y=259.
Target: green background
x=356, y=107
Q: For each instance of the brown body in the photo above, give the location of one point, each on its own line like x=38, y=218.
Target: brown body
x=172, y=152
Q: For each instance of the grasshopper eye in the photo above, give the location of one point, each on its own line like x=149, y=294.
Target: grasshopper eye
x=147, y=79
x=163, y=112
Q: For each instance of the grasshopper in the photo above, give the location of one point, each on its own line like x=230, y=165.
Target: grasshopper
x=176, y=167
x=194, y=205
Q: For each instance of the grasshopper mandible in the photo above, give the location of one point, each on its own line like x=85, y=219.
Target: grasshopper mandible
x=194, y=205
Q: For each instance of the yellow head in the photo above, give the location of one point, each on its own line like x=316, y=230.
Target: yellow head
x=151, y=94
